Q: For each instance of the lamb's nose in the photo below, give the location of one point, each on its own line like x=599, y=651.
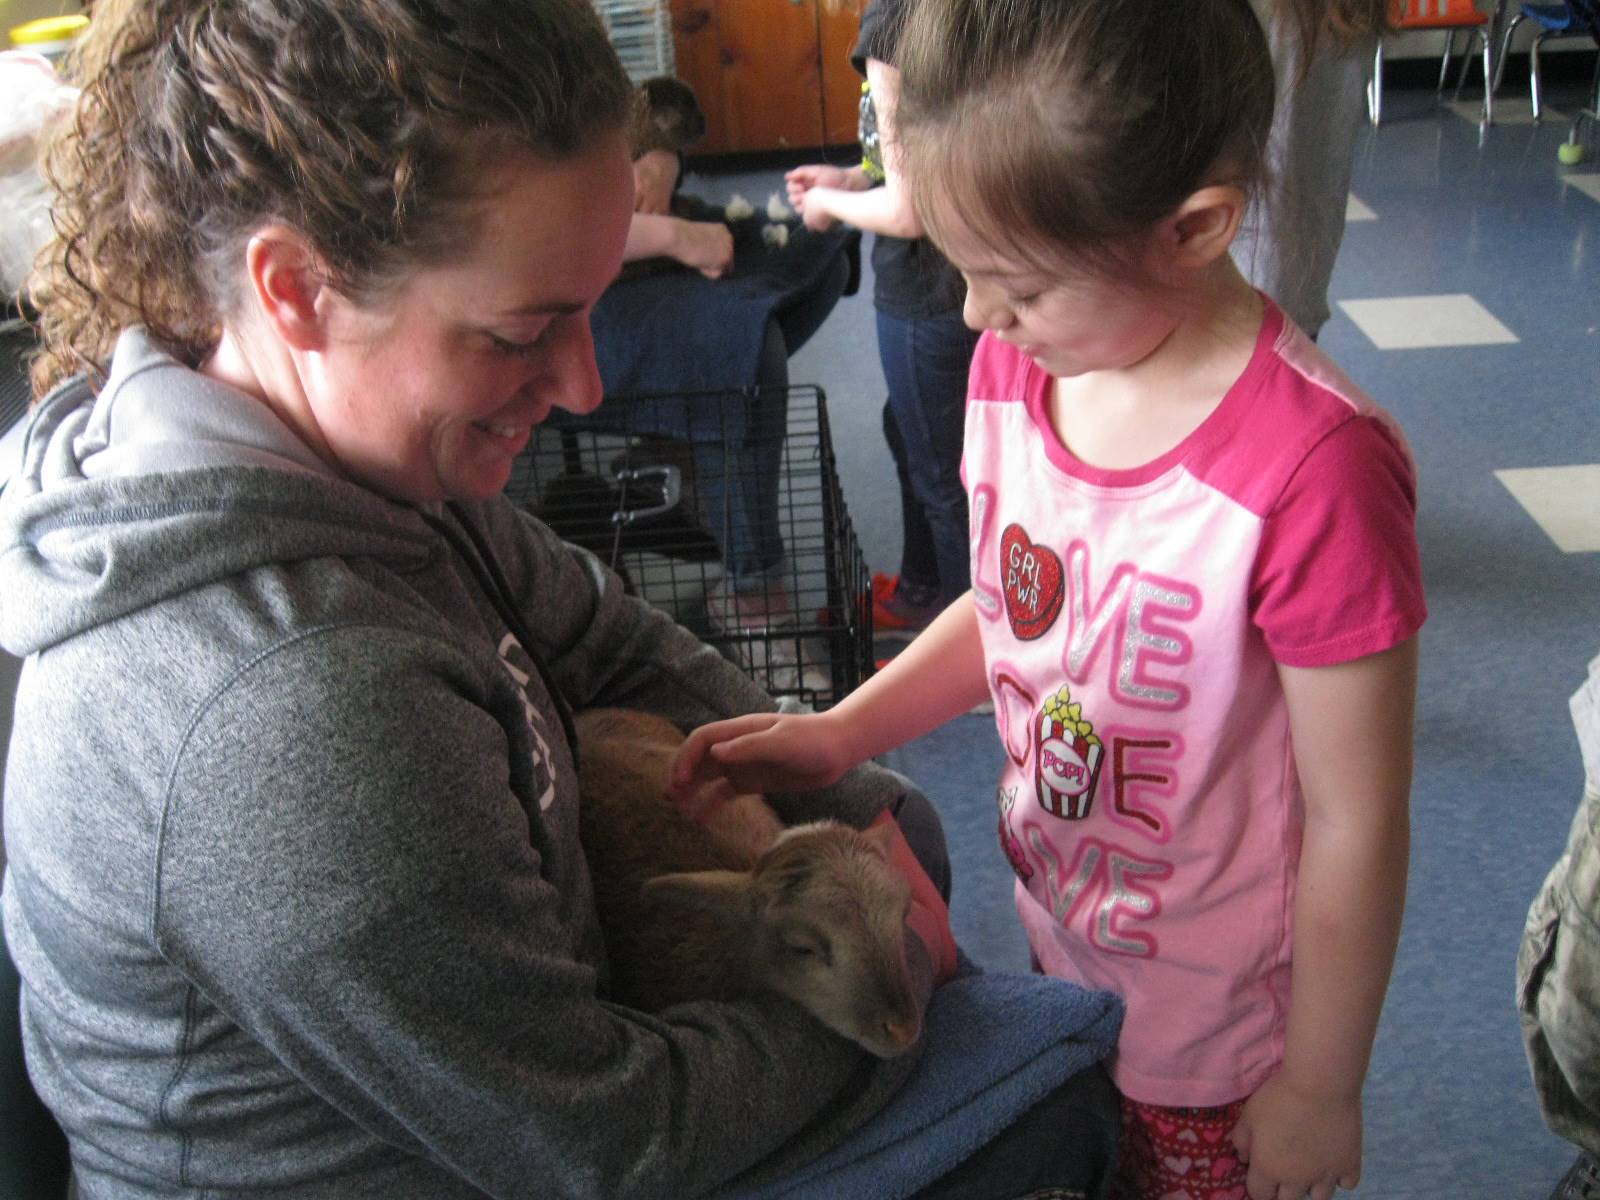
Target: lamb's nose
x=902, y=1033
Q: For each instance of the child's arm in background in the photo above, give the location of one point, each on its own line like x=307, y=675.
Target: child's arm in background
x=885, y=209
x=707, y=246
x=1352, y=731
x=938, y=676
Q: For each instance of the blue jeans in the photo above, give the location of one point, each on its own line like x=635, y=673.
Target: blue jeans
x=925, y=364
x=1063, y=1148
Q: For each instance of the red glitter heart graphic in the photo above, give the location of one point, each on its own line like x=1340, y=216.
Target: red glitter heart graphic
x=1033, y=583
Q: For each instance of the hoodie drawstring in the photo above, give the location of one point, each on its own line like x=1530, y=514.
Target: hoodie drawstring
x=486, y=571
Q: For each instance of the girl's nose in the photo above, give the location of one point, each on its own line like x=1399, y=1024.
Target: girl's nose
x=981, y=314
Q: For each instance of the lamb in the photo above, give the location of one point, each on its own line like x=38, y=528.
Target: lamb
x=813, y=912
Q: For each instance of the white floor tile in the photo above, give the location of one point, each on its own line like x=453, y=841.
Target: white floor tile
x=1589, y=185
x=1355, y=210
x=1417, y=322
x=1565, y=501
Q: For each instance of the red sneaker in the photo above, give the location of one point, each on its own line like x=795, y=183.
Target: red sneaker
x=892, y=612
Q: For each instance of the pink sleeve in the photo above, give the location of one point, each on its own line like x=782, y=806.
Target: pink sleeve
x=1337, y=575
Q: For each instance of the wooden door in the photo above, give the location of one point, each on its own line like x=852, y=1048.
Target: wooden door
x=758, y=68
x=841, y=83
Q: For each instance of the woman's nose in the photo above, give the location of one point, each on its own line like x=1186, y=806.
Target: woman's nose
x=576, y=377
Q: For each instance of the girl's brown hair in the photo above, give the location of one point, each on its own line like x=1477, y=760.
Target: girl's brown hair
x=1061, y=130
x=369, y=126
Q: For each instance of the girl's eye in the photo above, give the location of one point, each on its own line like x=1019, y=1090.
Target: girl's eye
x=1023, y=301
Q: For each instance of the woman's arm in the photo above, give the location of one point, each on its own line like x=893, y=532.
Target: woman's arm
x=886, y=210
x=375, y=883
x=1352, y=731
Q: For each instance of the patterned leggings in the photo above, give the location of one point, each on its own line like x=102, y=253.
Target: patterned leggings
x=1178, y=1153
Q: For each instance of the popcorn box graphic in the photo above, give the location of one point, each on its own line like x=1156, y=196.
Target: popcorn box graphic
x=1066, y=760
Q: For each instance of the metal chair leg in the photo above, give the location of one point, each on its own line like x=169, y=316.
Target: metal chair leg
x=1488, y=73
x=1444, y=63
x=1375, y=88
x=1488, y=77
x=1466, y=65
x=1505, y=48
x=1535, y=87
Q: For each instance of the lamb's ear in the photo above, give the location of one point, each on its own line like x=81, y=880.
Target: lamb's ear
x=709, y=891
x=880, y=837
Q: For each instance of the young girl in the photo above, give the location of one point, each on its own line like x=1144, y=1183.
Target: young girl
x=1196, y=586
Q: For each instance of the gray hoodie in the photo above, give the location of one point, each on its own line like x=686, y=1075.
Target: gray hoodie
x=294, y=883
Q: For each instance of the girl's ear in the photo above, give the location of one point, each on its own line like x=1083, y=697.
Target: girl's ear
x=1204, y=226
x=287, y=283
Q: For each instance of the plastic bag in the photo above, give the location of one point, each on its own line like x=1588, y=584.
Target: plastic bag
x=31, y=97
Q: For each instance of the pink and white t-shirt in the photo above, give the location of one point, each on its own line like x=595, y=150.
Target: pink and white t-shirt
x=1132, y=623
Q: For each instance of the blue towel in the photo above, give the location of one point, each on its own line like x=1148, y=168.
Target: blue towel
x=996, y=1045
x=665, y=328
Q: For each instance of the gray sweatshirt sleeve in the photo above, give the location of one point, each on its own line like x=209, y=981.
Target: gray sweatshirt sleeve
x=607, y=648
x=369, y=902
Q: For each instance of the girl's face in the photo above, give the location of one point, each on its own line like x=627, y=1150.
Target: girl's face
x=431, y=393
x=1070, y=323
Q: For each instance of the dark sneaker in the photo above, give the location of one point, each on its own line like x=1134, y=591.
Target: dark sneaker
x=1581, y=1182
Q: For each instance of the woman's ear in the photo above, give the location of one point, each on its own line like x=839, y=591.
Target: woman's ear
x=286, y=283
x=1204, y=226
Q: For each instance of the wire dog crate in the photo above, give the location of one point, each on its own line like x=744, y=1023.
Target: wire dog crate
x=724, y=509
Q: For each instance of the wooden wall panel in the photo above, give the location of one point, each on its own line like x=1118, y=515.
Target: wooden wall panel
x=770, y=74
x=841, y=84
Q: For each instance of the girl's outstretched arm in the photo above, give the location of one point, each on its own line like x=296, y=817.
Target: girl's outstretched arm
x=1352, y=731
x=939, y=675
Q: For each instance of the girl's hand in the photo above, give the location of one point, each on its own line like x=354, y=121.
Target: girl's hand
x=801, y=180
x=1298, y=1143
x=758, y=752
x=816, y=218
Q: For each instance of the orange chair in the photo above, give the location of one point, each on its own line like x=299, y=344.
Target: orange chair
x=1452, y=16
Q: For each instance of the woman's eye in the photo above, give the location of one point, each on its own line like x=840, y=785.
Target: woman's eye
x=800, y=949
x=513, y=349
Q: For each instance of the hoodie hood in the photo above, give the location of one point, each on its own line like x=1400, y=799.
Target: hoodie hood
x=167, y=481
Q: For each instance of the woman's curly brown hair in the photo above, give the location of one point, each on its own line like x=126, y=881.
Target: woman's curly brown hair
x=368, y=125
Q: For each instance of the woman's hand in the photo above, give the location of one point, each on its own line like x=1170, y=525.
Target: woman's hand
x=758, y=752
x=1298, y=1142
